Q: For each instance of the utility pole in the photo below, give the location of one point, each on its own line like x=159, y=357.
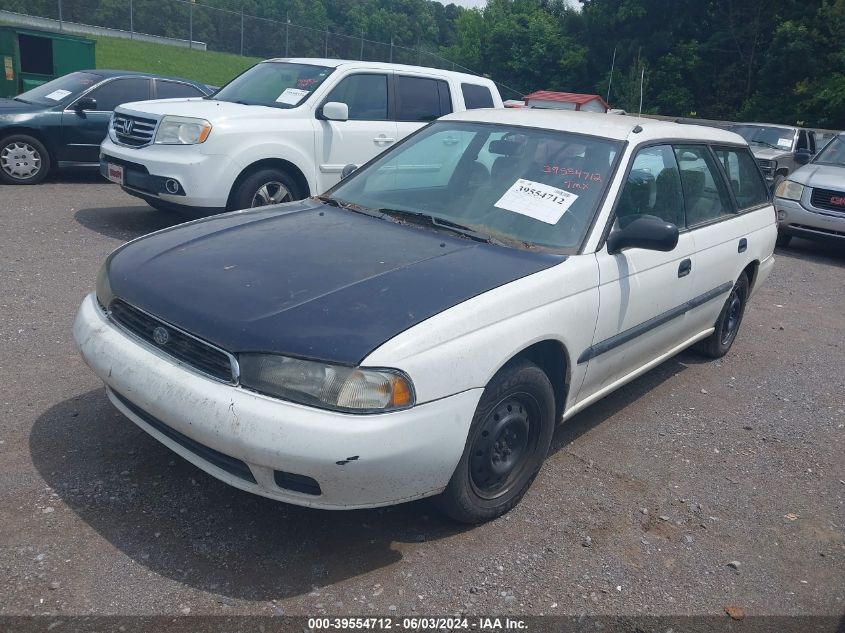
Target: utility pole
x=642, y=80
x=242, y=29
x=391, y=50
x=287, y=33
x=191, y=24
x=61, y=26
x=361, y=55
x=131, y=21
x=326, y=51
x=610, y=81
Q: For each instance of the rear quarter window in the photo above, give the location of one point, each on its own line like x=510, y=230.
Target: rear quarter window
x=747, y=184
x=476, y=96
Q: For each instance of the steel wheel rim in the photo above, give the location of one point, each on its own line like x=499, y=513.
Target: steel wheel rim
x=732, y=315
x=19, y=160
x=270, y=193
x=503, y=446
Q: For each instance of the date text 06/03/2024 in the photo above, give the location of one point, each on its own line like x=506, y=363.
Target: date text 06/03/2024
x=418, y=623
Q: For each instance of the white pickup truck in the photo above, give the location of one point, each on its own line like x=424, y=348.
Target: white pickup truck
x=281, y=131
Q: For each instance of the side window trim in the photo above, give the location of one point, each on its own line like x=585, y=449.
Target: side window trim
x=726, y=181
x=159, y=80
x=745, y=150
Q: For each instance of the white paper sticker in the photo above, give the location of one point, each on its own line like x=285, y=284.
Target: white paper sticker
x=536, y=200
x=786, y=141
x=57, y=95
x=291, y=96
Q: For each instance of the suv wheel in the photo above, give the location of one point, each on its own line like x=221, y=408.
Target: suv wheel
x=23, y=160
x=265, y=187
x=507, y=443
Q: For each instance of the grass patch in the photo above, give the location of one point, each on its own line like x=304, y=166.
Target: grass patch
x=208, y=67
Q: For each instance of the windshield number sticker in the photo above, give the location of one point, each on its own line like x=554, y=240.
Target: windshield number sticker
x=536, y=200
x=291, y=96
x=784, y=142
x=57, y=95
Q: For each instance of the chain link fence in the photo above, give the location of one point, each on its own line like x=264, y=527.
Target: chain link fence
x=221, y=29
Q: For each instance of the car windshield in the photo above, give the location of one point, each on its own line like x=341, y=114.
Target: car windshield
x=774, y=137
x=833, y=153
x=524, y=187
x=274, y=84
x=60, y=90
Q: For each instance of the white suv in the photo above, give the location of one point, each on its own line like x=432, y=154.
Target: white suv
x=281, y=131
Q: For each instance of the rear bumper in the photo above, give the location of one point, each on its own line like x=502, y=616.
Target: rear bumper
x=246, y=439
x=795, y=219
x=205, y=180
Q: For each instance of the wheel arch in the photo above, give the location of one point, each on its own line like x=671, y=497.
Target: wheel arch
x=277, y=163
x=34, y=133
x=750, y=271
x=553, y=358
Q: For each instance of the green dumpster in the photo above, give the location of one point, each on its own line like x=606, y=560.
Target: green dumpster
x=31, y=57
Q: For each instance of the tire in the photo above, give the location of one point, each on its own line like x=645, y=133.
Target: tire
x=727, y=325
x=506, y=445
x=23, y=160
x=778, y=179
x=783, y=240
x=277, y=187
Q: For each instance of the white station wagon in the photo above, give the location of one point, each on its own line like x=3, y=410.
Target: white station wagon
x=420, y=329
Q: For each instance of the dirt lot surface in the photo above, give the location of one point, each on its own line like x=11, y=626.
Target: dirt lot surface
x=700, y=485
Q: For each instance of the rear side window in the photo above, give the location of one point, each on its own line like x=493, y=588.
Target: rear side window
x=653, y=188
x=419, y=98
x=175, y=89
x=746, y=182
x=476, y=96
x=112, y=94
x=705, y=195
x=365, y=95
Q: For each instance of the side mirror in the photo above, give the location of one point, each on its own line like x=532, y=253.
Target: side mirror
x=646, y=231
x=347, y=170
x=803, y=156
x=335, y=111
x=85, y=103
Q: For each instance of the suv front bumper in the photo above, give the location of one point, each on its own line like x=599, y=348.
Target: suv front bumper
x=795, y=219
x=205, y=180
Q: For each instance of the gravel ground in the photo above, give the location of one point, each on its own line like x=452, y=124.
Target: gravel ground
x=700, y=485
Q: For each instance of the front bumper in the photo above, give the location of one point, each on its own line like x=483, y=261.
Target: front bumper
x=795, y=219
x=358, y=461
x=205, y=180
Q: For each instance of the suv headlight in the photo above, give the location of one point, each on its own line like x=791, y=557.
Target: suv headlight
x=789, y=190
x=180, y=130
x=327, y=386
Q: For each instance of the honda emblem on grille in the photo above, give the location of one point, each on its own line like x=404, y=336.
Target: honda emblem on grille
x=161, y=336
x=128, y=124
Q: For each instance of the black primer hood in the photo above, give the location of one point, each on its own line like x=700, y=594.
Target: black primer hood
x=307, y=279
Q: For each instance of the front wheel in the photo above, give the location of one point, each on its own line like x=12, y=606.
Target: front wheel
x=507, y=443
x=727, y=325
x=23, y=160
x=265, y=187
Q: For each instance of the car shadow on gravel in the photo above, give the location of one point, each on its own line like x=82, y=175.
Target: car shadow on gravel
x=823, y=252
x=181, y=523
x=126, y=223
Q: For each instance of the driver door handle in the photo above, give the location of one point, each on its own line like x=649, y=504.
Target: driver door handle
x=383, y=139
x=685, y=268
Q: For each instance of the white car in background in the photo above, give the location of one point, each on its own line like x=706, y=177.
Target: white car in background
x=281, y=131
x=421, y=328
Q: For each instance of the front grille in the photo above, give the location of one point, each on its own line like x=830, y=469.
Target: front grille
x=133, y=130
x=225, y=462
x=174, y=342
x=767, y=167
x=828, y=199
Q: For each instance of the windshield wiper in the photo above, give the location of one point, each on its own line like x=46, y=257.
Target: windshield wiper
x=764, y=143
x=433, y=220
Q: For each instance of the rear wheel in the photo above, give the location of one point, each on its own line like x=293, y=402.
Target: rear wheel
x=507, y=443
x=265, y=187
x=23, y=160
x=727, y=325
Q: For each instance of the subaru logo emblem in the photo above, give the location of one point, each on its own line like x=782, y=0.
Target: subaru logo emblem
x=161, y=335
x=128, y=124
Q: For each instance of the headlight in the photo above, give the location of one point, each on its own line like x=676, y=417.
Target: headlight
x=180, y=130
x=789, y=190
x=104, y=292
x=350, y=389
